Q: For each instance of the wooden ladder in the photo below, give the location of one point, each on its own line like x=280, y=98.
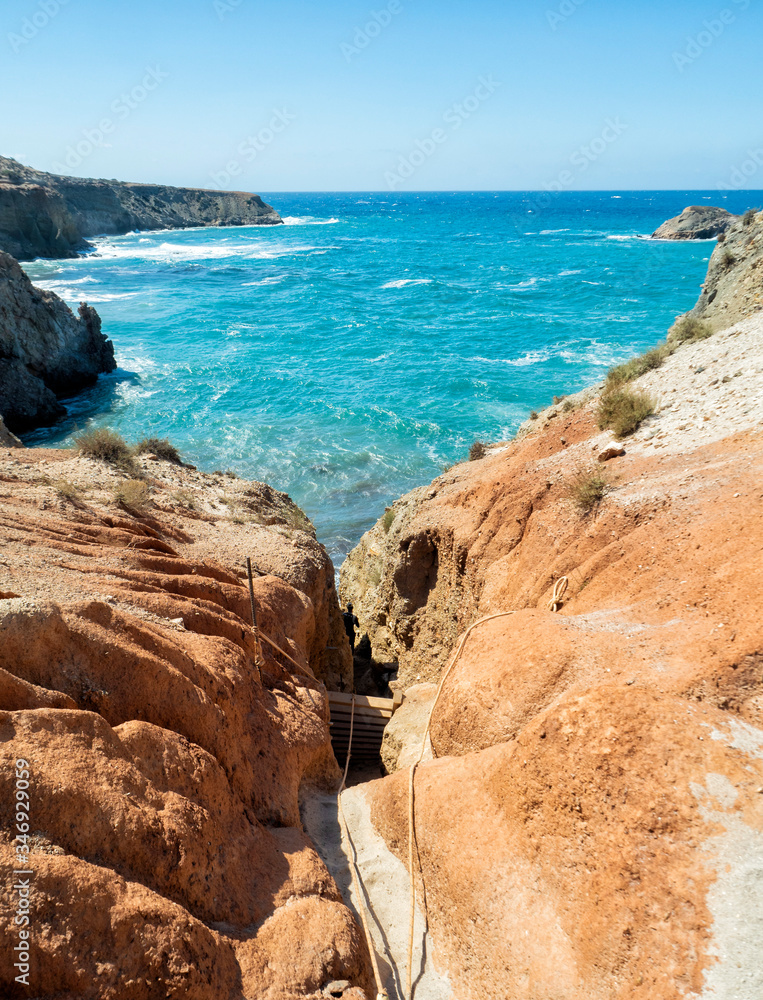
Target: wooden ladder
x=371, y=718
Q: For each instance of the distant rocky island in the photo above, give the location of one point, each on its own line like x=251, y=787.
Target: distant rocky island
x=697, y=222
x=49, y=215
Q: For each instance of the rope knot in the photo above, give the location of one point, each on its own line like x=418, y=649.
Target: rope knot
x=560, y=588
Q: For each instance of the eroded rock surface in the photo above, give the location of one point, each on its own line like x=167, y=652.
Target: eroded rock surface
x=733, y=289
x=48, y=215
x=46, y=352
x=167, y=848
x=697, y=222
x=592, y=827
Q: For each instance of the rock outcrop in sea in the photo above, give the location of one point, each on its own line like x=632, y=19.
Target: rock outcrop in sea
x=697, y=222
x=46, y=352
x=48, y=215
x=165, y=766
x=592, y=827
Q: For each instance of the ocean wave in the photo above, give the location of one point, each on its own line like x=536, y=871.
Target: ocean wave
x=70, y=291
x=308, y=220
x=563, y=274
x=531, y=358
x=275, y=279
x=179, y=252
x=549, y=232
x=402, y=282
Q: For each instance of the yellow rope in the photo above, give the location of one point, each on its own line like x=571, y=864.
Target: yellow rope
x=381, y=993
x=411, y=799
x=560, y=589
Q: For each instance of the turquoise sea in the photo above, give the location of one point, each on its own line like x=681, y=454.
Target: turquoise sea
x=350, y=354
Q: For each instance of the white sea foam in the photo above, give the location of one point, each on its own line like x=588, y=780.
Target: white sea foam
x=531, y=358
x=308, y=220
x=548, y=232
x=275, y=279
x=563, y=274
x=402, y=282
x=71, y=291
x=180, y=252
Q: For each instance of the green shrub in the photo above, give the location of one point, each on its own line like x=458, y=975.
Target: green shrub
x=637, y=367
x=588, y=488
x=389, y=517
x=161, y=447
x=534, y=415
x=728, y=259
x=105, y=445
x=622, y=411
x=749, y=216
x=689, y=330
x=477, y=451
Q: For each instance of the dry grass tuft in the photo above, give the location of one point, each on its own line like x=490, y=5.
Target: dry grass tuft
x=105, y=445
x=161, y=447
x=588, y=489
x=637, y=367
x=389, y=517
x=689, y=330
x=67, y=490
x=132, y=494
x=622, y=411
x=477, y=451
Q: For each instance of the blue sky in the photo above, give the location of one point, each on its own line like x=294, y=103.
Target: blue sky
x=341, y=95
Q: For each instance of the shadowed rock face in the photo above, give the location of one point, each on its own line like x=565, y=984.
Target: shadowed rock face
x=697, y=222
x=45, y=351
x=733, y=288
x=47, y=215
x=165, y=771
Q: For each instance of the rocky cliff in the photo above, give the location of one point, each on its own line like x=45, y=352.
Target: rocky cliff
x=165, y=768
x=697, y=222
x=45, y=351
x=593, y=826
x=47, y=215
x=733, y=288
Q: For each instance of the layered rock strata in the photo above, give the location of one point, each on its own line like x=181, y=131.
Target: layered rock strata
x=48, y=215
x=46, y=352
x=165, y=769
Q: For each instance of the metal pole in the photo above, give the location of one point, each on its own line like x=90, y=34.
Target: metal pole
x=253, y=608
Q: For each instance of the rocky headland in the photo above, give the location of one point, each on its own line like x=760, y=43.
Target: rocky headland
x=48, y=215
x=46, y=352
x=592, y=827
x=697, y=222
x=166, y=766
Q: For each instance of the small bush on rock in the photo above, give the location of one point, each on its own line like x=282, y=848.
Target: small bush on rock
x=587, y=489
x=639, y=366
x=689, y=330
x=161, y=447
x=622, y=411
x=132, y=495
x=477, y=451
x=104, y=445
x=389, y=517
x=749, y=216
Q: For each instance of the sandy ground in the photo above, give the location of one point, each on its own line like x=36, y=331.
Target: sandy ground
x=386, y=886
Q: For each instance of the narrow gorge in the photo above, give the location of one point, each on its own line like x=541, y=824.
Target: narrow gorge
x=588, y=813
